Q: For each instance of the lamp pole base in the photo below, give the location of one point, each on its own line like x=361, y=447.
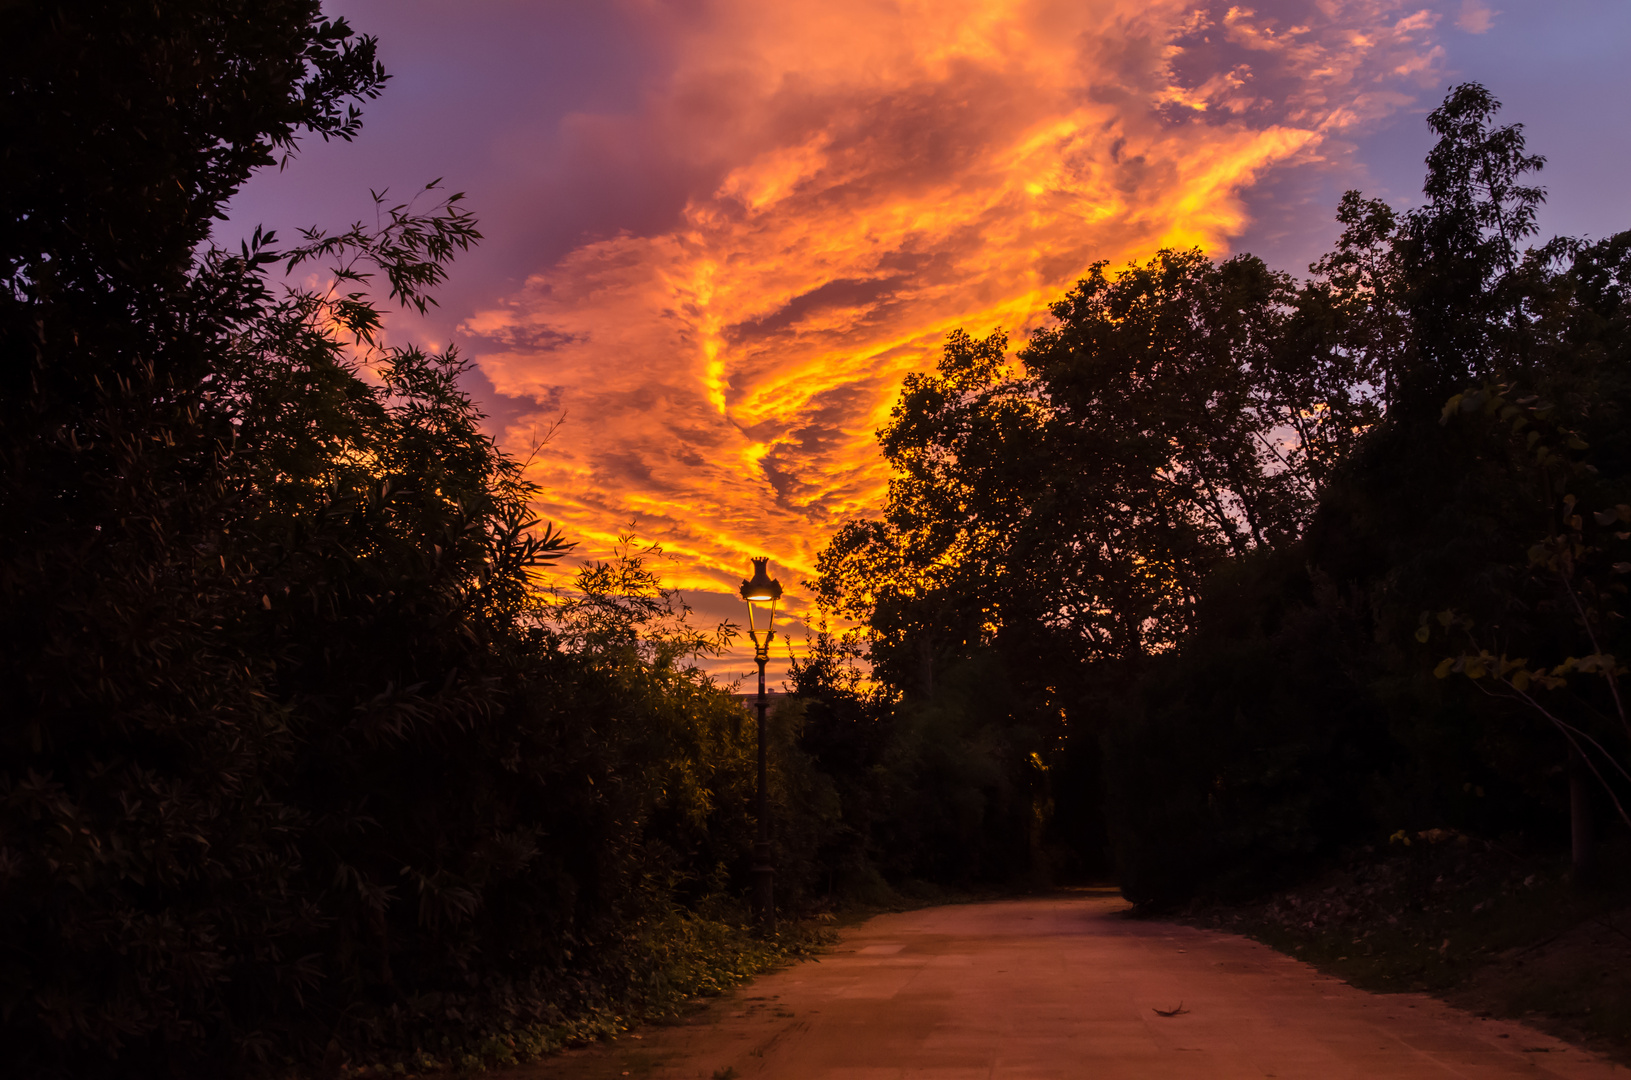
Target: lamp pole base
x=764, y=884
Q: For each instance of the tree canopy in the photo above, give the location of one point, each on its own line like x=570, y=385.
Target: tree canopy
x=1208, y=500
x=299, y=755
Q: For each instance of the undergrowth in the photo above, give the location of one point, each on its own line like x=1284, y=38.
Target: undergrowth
x=668, y=967
x=1491, y=927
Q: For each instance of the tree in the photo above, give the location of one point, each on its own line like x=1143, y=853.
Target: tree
x=1050, y=527
x=1176, y=415
x=298, y=759
x=1551, y=628
x=1422, y=302
x=126, y=607
x=931, y=576
x=1227, y=496
x=258, y=601
x=1191, y=421
x=1307, y=663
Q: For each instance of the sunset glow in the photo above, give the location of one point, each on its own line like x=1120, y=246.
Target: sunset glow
x=891, y=171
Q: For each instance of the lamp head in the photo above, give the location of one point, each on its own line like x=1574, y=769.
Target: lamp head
x=761, y=587
x=761, y=592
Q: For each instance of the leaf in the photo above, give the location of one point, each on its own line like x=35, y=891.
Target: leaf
x=1450, y=408
x=1622, y=568
x=1520, y=681
x=1423, y=633
x=1606, y=517
x=1443, y=668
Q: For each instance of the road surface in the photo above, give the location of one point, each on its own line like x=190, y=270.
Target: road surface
x=1068, y=987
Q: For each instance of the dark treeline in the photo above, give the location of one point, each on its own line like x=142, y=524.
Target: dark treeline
x=1233, y=569
x=310, y=756
x=299, y=762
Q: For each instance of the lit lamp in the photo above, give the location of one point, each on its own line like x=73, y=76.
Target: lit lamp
x=761, y=593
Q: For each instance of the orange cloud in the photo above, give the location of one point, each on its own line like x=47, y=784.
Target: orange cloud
x=889, y=171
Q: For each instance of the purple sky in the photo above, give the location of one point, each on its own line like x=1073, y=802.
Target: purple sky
x=1559, y=68
x=480, y=88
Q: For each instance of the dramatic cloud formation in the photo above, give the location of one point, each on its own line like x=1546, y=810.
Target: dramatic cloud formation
x=879, y=173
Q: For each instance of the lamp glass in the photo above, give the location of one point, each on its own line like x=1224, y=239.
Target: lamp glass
x=761, y=593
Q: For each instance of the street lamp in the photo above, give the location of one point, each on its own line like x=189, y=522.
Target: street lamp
x=761, y=592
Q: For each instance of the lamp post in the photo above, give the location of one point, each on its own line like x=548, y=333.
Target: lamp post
x=761, y=592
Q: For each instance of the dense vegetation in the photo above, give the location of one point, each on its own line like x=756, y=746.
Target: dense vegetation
x=306, y=756
x=298, y=759
x=1217, y=532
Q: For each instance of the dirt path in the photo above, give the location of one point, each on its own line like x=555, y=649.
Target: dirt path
x=1068, y=987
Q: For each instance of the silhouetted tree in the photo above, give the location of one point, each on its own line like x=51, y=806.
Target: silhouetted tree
x=296, y=759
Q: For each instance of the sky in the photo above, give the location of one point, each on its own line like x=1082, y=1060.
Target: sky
x=720, y=232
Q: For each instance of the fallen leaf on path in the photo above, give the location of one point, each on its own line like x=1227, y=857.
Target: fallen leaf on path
x=1179, y=1011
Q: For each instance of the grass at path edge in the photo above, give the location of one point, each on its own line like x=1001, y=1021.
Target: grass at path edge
x=1487, y=927
x=687, y=962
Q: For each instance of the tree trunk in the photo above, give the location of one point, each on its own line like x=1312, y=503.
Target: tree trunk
x=925, y=655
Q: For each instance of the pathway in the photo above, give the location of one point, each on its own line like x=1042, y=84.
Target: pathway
x=1068, y=987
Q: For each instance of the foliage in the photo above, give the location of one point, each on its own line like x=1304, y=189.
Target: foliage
x=618, y=609
x=1235, y=760
x=1495, y=929
x=1429, y=515
x=670, y=965
x=1199, y=523
x=956, y=441
x=1051, y=528
x=1562, y=600
x=297, y=759
x=1173, y=416
x=926, y=791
